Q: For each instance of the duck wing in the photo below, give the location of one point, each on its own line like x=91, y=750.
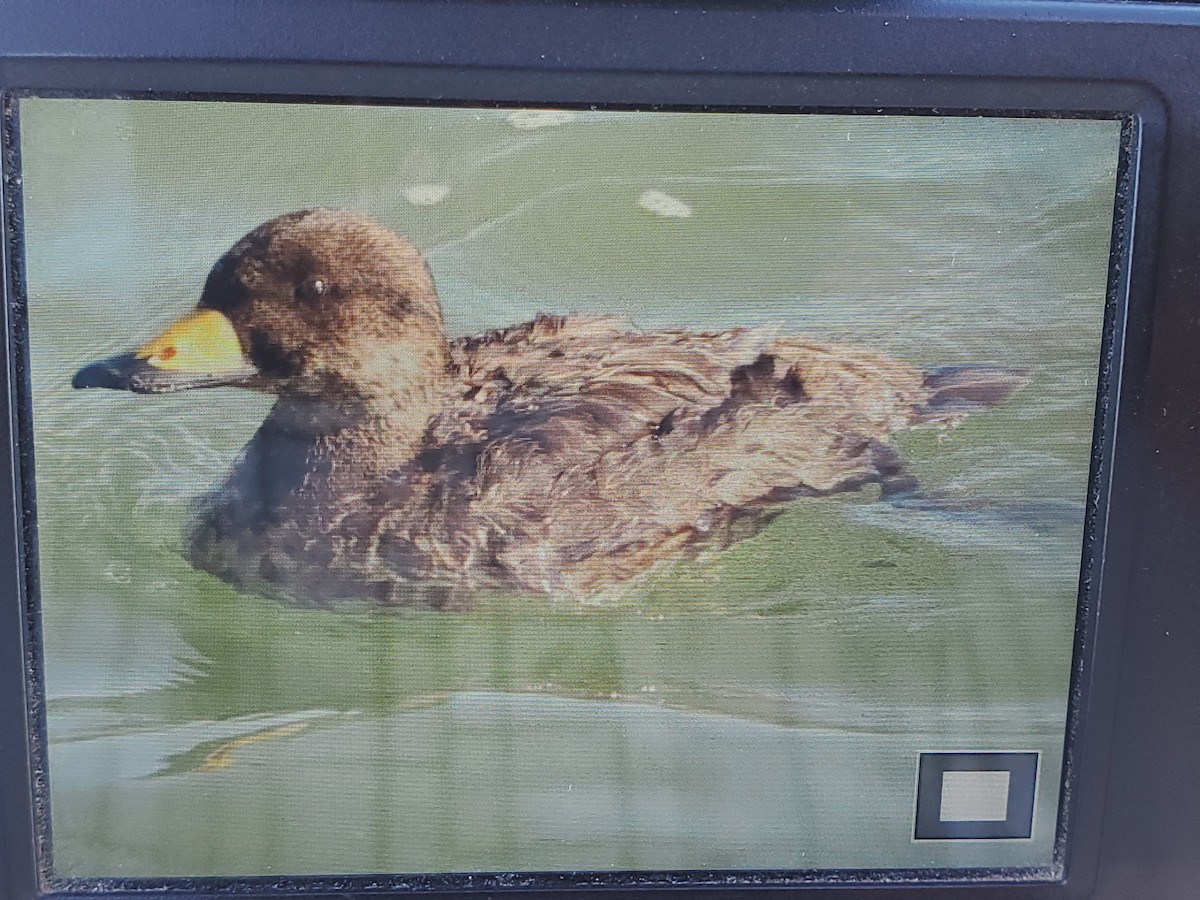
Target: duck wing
x=596, y=451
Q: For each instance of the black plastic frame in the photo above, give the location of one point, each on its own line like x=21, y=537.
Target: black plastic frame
x=1134, y=824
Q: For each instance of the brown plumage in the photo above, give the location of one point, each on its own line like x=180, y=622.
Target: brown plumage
x=558, y=457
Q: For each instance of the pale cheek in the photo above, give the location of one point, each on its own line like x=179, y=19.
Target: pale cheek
x=402, y=362
x=393, y=367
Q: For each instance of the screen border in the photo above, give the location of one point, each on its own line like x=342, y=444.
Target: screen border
x=1089, y=577
x=1136, y=366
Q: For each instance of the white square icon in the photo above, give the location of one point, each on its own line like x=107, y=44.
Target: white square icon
x=974, y=796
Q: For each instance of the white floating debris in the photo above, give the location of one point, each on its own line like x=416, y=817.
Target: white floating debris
x=119, y=573
x=426, y=194
x=539, y=118
x=664, y=205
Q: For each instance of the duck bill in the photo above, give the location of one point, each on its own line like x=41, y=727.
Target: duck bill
x=198, y=351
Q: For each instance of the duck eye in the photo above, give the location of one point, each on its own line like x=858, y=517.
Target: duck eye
x=312, y=288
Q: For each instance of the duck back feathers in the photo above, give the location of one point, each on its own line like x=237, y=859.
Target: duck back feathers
x=572, y=454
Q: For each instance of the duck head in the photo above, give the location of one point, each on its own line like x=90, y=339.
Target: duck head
x=319, y=304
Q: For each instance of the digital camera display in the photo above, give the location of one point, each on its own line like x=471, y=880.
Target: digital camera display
x=449, y=490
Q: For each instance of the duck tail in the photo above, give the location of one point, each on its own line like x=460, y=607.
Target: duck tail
x=957, y=390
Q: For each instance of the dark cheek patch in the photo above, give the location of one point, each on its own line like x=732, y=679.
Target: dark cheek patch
x=224, y=290
x=272, y=359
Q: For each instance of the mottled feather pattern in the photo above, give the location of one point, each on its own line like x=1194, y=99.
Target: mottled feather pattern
x=584, y=449
x=572, y=454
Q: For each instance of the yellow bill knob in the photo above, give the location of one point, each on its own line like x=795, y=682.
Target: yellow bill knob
x=202, y=341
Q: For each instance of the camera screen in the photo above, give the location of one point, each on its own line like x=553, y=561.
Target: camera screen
x=453, y=490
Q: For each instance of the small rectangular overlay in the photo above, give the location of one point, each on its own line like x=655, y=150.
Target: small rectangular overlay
x=975, y=796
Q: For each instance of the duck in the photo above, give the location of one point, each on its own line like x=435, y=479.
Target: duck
x=563, y=457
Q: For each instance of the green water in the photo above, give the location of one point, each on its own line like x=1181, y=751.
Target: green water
x=760, y=707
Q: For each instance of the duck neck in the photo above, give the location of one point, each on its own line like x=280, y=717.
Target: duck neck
x=357, y=439
x=381, y=441
x=397, y=384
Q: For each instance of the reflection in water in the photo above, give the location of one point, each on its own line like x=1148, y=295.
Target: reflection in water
x=487, y=778
x=762, y=706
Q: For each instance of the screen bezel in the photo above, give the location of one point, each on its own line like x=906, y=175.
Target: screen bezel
x=1130, y=365
x=1107, y=383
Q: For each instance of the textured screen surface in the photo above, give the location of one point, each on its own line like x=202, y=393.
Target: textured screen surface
x=784, y=488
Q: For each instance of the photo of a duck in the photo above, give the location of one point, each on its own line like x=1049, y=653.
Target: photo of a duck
x=560, y=457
